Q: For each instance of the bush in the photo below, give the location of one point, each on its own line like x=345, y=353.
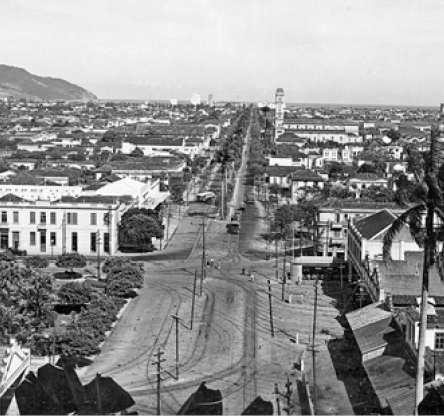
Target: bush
x=130, y=272
x=37, y=262
x=7, y=256
x=122, y=288
x=74, y=293
x=115, y=262
x=17, y=252
x=71, y=260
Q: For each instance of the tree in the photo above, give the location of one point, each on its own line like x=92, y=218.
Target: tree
x=395, y=135
x=274, y=189
x=430, y=204
x=24, y=178
x=37, y=298
x=177, y=187
x=71, y=261
x=136, y=232
x=137, y=152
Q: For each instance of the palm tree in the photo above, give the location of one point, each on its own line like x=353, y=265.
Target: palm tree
x=429, y=196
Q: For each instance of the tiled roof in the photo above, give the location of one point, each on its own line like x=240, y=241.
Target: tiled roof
x=306, y=175
x=374, y=224
x=281, y=170
x=336, y=203
x=366, y=176
x=11, y=198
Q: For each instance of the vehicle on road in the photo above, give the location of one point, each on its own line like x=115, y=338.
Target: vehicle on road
x=205, y=196
x=233, y=227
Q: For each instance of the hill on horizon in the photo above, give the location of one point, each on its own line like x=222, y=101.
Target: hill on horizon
x=19, y=83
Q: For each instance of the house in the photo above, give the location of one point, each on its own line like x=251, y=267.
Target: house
x=280, y=175
x=362, y=181
x=365, y=249
x=150, y=144
x=333, y=218
x=304, y=181
x=386, y=358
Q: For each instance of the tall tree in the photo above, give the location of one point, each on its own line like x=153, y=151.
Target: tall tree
x=430, y=204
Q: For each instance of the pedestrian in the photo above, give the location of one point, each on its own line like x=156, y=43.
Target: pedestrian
x=252, y=276
x=243, y=272
x=211, y=262
x=218, y=265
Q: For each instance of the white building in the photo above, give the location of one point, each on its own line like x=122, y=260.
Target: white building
x=69, y=225
x=40, y=192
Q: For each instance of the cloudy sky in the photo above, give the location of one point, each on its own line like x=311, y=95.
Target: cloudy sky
x=319, y=51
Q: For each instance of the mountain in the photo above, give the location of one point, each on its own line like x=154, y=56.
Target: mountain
x=18, y=83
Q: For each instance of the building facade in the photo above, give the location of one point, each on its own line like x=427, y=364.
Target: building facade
x=84, y=225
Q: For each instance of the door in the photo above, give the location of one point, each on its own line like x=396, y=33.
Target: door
x=4, y=239
x=15, y=239
x=43, y=241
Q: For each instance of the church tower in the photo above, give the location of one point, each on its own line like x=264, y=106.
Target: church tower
x=279, y=113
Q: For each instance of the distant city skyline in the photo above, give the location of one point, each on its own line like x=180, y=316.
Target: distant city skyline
x=363, y=52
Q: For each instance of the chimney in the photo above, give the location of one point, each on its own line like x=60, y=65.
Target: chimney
x=389, y=301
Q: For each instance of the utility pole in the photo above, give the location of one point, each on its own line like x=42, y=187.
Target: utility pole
x=168, y=221
x=157, y=363
x=222, y=195
x=270, y=301
x=99, y=395
x=203, y=256
x=194, y=298
x=98, y=255
x=277, y=394
x=276, y=255
x=176, y=319
x=315, y=311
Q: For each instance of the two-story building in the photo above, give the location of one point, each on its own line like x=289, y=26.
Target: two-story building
x=333, y=218
x=55, y=227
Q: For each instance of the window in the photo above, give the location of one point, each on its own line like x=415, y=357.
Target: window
x=4, y=216
x=72, y=218
x=52, y=217
x=32, y=238
x=439, y=341
x=32, y=217
x=53, y=239
x=106, y=242
x=43, y=218
x=15, y=217
x=93, y=219
x=93, y=242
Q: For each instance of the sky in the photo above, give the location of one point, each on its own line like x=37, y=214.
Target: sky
x=388, y=52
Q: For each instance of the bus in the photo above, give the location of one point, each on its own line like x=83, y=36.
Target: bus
x=233, y=227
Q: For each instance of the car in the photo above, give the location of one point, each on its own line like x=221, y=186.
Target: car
x=205, y=196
